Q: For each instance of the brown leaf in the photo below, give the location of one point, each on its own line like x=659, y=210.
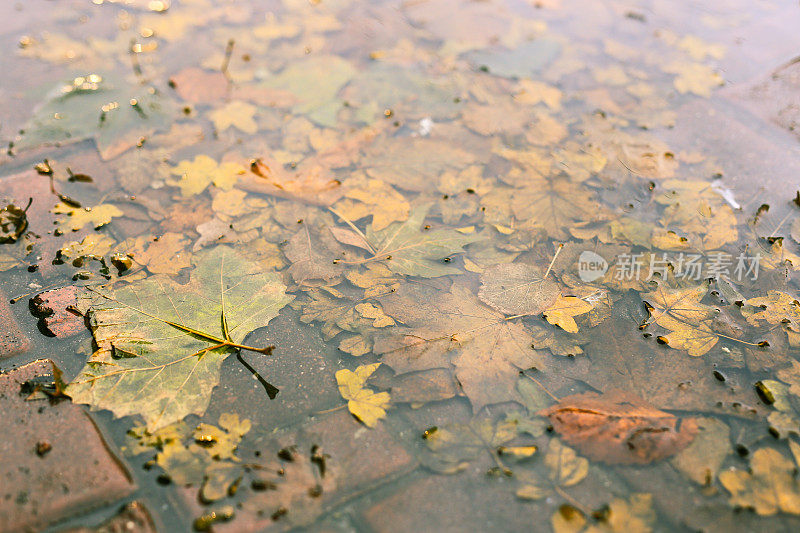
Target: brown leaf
x=619, y=428
x=453, y=327
x=311, y=185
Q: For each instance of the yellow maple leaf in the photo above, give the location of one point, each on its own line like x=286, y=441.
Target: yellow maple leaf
x=364, y=403
x=561, y=313
x=699, y=49
x=78, y=217
x=238, y=114
x=167, y=255
x=634, y=515
x=199, y=173
x=680, y=311
x=777, y=308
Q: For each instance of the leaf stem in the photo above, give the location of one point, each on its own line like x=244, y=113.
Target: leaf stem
x=560, y=247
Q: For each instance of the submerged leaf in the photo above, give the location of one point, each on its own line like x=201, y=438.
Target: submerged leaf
x=680, y=311
x=198, y=174
x=771, y=485
x=455, y=446
x=78, y=217
x=563, y=311
x=161, y=344
x=446, y=329
x=364, y=403
x=619, y=428
x=517, y=289
x=565, y=468
x=411, y=249
x=13, y=223
x=91, y=106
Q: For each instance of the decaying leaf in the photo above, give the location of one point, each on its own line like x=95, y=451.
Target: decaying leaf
x=565, y=468
x=314, y=185
x=94, y=106
x=703, y=458
x=377, y=199
x=13, y=223
x=410, y=248
x=634, y=515
x=517, y=289
x=618, y=428
x=454, y=328
x=201, y=172
x=235, y=114
x=455, y=446
x=168, y=254
x=161, y=344
x=777, y=308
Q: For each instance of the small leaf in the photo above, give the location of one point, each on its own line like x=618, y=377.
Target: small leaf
x=563, y=311
x=365, y=404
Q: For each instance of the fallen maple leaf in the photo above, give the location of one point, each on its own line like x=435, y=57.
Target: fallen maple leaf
x=310, y=185
x=364, y=403
x=680, y=311
x=78, y=217
x=161, y=344
x=445, y=328
x=562, y=312
x=771, y=485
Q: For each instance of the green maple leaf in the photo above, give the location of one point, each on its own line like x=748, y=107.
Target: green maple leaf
x=411, y=249
x=161, y=344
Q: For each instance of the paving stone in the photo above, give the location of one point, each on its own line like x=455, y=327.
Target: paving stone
x=12, y=340
x=132, y=518
x=56, y=311
x=774, y=98
x=360, y=459
x=301, y=367
x=77, y=473
x=41, y=221
x=758, y=160
x=446, y=503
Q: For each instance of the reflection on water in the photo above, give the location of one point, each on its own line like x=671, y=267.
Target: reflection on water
x=518, y=262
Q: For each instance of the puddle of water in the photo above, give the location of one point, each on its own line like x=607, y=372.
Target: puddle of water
x=449, y=262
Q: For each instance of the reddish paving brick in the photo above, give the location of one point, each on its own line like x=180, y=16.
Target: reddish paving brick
x=39, y=486
x=57, y=311
x=12, y=340
x=41, y=221
x=360, y=459
x=445, y=503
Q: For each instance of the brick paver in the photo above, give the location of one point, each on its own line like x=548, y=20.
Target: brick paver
x=54, y=461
